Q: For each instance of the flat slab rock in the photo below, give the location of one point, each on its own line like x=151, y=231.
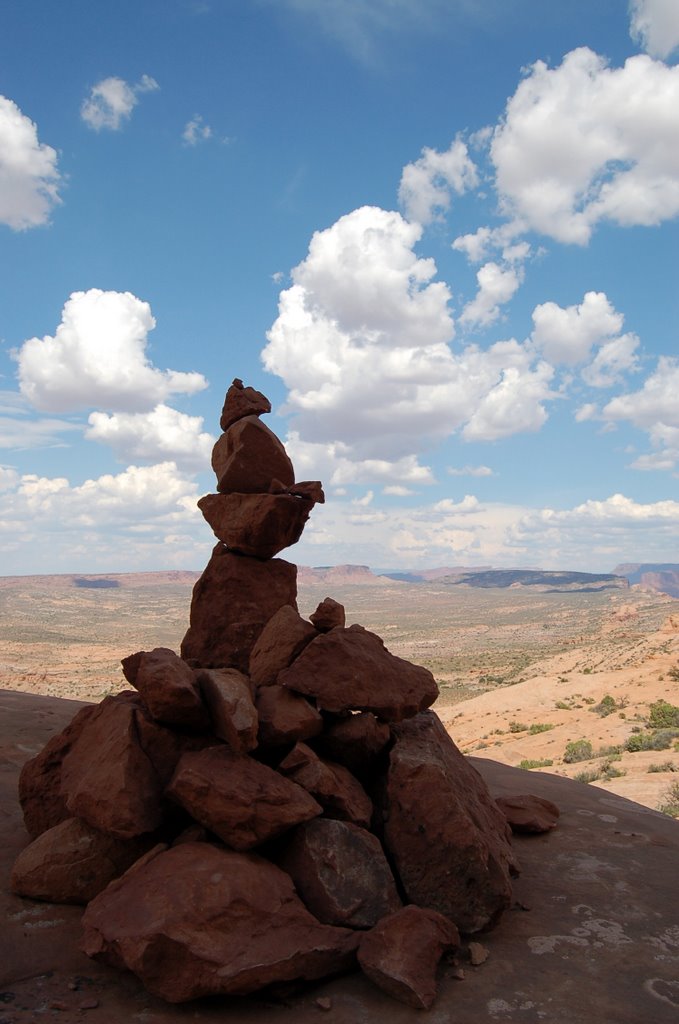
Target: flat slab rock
x=351, y=670
x=591, y=932
x=231, y=923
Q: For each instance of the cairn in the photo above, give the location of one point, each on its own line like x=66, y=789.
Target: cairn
x=275, y=804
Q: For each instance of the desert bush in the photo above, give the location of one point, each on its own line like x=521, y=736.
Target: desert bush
x=661, y=739
x=674, y=673
x=537, y=727
x=517, y=727
x=562, y=706
x=607, y=705
x=609, y=771
x=578, y=750
x=588, y=776
x=670, y=804
x=528, y=763
x=663, y=715
x=666, y=766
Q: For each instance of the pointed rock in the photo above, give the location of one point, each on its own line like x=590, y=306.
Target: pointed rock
x=351, y=670
x=232, y=602
x=107, y=779
x=228, y=696
x=249, y=457
x=169, y=690
x=285, y=717
x=241, y=401
x=284, y=636
x=258, y=525
x=72, y=862
x=196, y=920
x=328, y=615
x=448, y=840
x=341, y=795
x=240, y=800
x=402, y=953
x=341, y=873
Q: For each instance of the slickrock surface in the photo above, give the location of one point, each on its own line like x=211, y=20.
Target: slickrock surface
x=592, y=934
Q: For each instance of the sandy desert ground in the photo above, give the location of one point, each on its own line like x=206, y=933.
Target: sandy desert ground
x=522, y=674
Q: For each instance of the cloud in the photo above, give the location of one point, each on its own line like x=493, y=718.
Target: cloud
x=196, y=131
x=655, y=25
x=111, y=102
x=582, y=143
x=97, y=358
x=160, y=435
x=469, y=471
x=426, y=185
x=29, y=177
x=655, y=410
x=22, y=434
x=496, y=286
x=514, y=405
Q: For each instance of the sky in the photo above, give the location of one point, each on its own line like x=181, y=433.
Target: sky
x=442, y=236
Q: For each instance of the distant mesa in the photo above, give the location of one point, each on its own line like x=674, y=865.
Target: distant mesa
x=662, y=577
x=95, y=582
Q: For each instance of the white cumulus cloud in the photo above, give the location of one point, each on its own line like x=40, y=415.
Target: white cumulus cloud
x=496, y=286
x=583, y=142
x=163, y=434
x=195, y=131
x=97, y=358
x=655, y=410
x=655, y=25
x=112, y=100
x=427, y=183
x=29, y=176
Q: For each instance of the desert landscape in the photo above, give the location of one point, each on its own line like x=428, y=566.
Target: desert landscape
x=562, y=683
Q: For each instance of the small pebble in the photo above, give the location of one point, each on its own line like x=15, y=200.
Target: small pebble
x=89, y=1004
x=323, y=1003
x=478, y=954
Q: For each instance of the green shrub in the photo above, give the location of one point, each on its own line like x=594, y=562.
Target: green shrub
x=663, y=715
x=609, y=771
x=578, y=750
x=670, y=804
x=528, y=764
x=537, y=727
x=562, y=706
x=666, y=766
x=674, y=673
x=517, y=727
x=661, y=739
x=588, y=776
x=607, y=705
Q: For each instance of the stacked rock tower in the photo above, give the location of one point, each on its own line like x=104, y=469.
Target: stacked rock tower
x=276, y=803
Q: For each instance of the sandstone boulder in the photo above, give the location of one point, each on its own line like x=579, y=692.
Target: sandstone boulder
x=448, y=840
x=401, y=954
x=285, y=717
x=228, y=696
x=72, y=862
x=284, y=636
x=528, y=814
x=164, y=746
x=355, y=742
x=341, y=873
x=242, y=801
x=340, y=794
x=351, y=670
x=258, y=525
x=196, y=920
x=169, y=690
x=328, y=615
x=249, y=457
x=40, y=795
x=107, y=779
x=241, y=401
x=232, y=602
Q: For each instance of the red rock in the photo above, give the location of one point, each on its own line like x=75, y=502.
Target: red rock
x=528, y=814
x=401, y=954
x=351, y=670
x=169, y=690
x=240, y=402
x=341, y=873
x=258, y=525
x=228, y=696
x=164, y=746
x=341, y=795
x=240, y=800
x=284, y=636
x=71, y=863
x=232, y=601
x=355, y=742
x=312, y=490
x=328, y=615
x=196, y=920
x=249, y=457
x=285, y=717
x=40, y=796
x=130, y=666
x=107, y=779
x=448, y=840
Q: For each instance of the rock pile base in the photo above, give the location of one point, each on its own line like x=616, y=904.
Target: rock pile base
x=276, y=804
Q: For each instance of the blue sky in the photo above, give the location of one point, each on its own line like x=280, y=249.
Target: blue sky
x=442, y=236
